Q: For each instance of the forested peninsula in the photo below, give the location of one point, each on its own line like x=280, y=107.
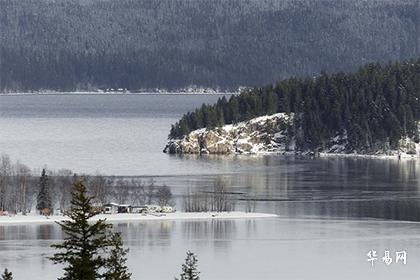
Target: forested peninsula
x=375, y=110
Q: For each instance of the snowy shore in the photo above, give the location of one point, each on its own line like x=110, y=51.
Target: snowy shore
x=29, y=219
x=269, y=135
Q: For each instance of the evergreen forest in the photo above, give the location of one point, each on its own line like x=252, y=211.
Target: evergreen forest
x=89, y=45
x=380, y=103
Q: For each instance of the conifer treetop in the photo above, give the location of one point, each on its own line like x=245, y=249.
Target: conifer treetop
x=7, y=275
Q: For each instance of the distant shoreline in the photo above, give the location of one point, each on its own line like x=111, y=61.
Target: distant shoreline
x=181, y=92
x=38, y=219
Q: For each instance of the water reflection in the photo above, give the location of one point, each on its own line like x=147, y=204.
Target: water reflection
x=152, y=233
x=326, y=187
x=218, y=233
x=290, y=248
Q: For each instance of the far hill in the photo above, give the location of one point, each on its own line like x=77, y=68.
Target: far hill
x=170, y=44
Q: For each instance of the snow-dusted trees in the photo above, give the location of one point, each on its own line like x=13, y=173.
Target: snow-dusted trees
x=150, y=192
x=5, y=180
x=164, y=196
x=22, y=191
x=218, y=199
x=7, y=275
x=62, y=185
x=138, y=196
x=44, y=201
x=99, y=188
x=16, y=186
x=189, y=268
x=196, y=201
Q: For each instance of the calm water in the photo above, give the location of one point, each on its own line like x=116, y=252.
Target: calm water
x=331, y=211
x=113, y=134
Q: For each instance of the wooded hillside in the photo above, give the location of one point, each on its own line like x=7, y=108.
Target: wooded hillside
x=136, y=44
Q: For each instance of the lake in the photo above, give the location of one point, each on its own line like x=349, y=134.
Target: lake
x=332, y=211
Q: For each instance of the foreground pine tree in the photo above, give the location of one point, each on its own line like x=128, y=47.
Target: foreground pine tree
x=115, y=264
x=85, y=244
x=189, y=268
x=7, y=275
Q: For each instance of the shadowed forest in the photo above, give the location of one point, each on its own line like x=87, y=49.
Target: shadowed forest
x=89, y=44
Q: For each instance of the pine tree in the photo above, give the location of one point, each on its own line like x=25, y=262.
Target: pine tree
x=115, y=263
x=44, y=204
x=85, y=243
x=189, y=268
x=7, y=275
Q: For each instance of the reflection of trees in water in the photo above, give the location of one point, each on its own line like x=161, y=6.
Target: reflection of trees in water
x=25, y=232
x=218, y=232
x=48, y=232
x=327, y=187
x=28, y=242
x=148, y=233
x=251, y=228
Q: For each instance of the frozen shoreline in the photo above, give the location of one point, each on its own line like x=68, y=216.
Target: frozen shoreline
x=122, y=93
x=403, y=156
x=30, y=219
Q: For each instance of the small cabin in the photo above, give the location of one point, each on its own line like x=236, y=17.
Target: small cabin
x=110, y=208
x=124, y=208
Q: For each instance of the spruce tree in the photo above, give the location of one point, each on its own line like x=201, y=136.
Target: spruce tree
x=115, y=263
x=189, y=268
x=7, y=275
x=85, y=243
x=44, y=204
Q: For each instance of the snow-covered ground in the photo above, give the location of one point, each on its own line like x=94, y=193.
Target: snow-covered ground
x=28, y=219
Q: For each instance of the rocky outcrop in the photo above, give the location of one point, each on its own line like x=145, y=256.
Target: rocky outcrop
x=260, y=135
x=273, y=134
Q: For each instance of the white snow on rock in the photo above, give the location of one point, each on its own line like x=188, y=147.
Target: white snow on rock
x=271, y=134
x=265, y=134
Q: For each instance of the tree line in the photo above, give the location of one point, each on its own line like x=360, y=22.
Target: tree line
x=22, y=191
x=89, y=44
x=375, y=106
x=216, y=198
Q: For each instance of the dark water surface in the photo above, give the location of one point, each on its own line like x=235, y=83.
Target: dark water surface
x=331, y=211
